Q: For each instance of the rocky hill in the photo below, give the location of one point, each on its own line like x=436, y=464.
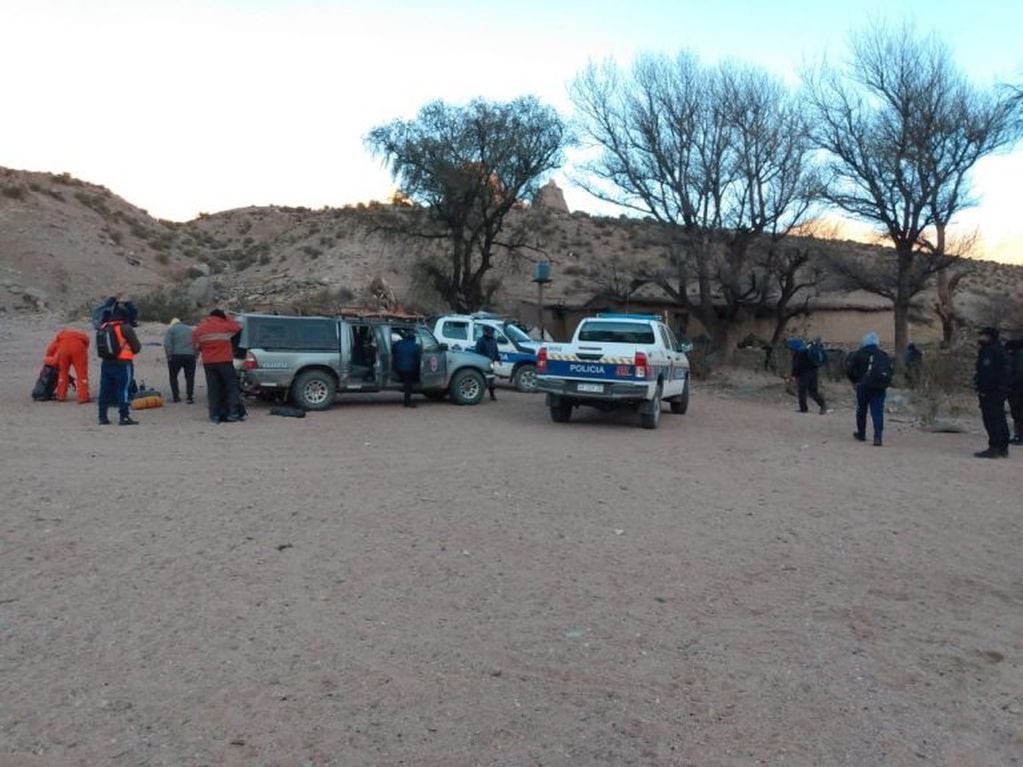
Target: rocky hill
x=65, y=243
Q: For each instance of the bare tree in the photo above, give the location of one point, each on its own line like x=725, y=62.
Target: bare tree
x=466, y=168
x=902, y=129
x=718, y=156
x=791, y=276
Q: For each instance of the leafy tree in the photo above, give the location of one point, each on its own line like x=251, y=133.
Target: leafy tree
x=466, y=168
x=902, y=128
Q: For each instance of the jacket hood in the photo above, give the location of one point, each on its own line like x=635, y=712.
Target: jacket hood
x=990, y=332
x=871, y=339
x=796, y=344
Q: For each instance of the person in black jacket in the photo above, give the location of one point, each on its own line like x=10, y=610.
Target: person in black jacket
x=992, y=384
x=1014, y=349
x=804, y=371
x=406, y=357
x=487, y=347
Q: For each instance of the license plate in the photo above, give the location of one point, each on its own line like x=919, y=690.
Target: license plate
x=593, y=388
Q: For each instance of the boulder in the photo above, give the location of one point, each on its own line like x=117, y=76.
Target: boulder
x=200, y=292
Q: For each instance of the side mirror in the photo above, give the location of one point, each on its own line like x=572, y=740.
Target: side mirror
x=685, y=347
x=442, y=347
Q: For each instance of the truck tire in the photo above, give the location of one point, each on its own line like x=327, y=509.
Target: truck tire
x=524, y=378
x=314, y=390
x=467, y=387
x=652, y=419
x=561, y=412
x=680, y=404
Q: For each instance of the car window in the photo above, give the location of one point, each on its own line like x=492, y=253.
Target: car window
x=610, y=332
x=292, y=333
x=477, y=333
x=427, y=340
x=456, y=329
x=516, y=334
x=672, y=341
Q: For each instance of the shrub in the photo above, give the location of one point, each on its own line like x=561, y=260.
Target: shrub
x=312, y=251
x=162, y=258
x=165, y=305
x=14, y=191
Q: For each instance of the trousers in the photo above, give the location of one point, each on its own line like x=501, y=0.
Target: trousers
x=222, y=393
x=177, y=363
x=114, y=387
x=806, y=384
x=992, y=411
x=408, y=382
x=869, y=399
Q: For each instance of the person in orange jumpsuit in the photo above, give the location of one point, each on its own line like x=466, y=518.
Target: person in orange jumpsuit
x=70, y=349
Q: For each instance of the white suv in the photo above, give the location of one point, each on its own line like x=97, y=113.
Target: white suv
x=517, y=349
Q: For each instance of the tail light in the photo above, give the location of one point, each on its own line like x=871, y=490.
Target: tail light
x=641, y=364
x=251, y=363
x=541, y=360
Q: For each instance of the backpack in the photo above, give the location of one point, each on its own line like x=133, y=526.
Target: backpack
x=46, y=384
x=108, y=345
x=879, y=370
x=817, y=355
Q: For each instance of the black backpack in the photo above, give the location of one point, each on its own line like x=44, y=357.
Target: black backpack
x=46, y=384
x=879, y=370
x=107, y=344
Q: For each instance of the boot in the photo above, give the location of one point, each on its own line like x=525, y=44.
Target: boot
x=859, y=437
x=989, y=453
x=878, y=442
x=127, y=420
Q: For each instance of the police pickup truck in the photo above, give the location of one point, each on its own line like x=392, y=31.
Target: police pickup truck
x=518, y=351
x=616, y=361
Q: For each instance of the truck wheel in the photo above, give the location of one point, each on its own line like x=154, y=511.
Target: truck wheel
x=562, y=412
x=314, y=390
x=525, y=378
x=652, y=419
x=467, y=387
x=680, y=404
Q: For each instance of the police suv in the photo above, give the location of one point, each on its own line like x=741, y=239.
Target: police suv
x=616, y=361
x=517, y=349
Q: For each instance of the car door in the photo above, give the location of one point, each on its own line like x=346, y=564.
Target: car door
x=433, y=366
x=679, y=366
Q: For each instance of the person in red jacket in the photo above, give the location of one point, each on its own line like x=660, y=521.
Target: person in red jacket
x=70, y=349
x=212, y=339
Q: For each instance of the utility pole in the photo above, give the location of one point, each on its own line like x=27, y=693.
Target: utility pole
x=541, y=276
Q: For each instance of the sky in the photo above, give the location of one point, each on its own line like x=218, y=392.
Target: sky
x=187, y=107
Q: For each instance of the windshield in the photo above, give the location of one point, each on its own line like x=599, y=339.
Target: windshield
x=516, y=335
x=608, y=332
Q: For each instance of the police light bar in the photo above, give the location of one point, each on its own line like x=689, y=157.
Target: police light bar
x=613, y=316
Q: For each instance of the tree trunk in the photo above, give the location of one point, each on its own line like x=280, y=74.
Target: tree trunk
x=945, y=309
x=904, y=251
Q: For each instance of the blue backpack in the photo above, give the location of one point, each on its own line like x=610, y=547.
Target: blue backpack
x=817, y=355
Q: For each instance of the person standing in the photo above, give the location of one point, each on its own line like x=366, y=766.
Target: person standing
x=1014, y=349
x=913, y=361
x=407, y=358
x=177, y=344
x=70, y=349
x=118, y=369
x=991, y=381
x=212, y=339
x=870, y=371
x=487, y=347
x=805, y=372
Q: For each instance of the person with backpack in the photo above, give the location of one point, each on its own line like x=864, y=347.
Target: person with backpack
x=1014, y=349
x=870, y=370
x=991, y=380
x=70, y=349
x=116, y=345
x=212, y=339
x=804, y=370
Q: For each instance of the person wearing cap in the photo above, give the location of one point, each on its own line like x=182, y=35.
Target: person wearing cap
x=177, y=345
x=991, y=381
x=487, y=347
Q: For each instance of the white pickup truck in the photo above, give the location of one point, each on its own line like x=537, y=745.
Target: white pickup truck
x=616, y=361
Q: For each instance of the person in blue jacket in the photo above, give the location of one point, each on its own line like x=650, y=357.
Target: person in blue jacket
x=804, y=371
x=487, y=347
x=406, y=357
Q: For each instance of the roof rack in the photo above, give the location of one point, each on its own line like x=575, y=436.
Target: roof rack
x=355, y=313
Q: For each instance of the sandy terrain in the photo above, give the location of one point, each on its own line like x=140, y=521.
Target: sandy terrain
x=479, y=586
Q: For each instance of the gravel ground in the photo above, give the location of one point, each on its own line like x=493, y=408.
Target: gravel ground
x=480, y=586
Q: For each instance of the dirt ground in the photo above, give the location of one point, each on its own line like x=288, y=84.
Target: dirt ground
x=480, y=586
